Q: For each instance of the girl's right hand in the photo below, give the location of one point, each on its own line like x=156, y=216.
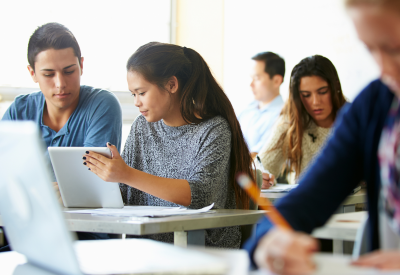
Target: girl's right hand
x=268, y=180
x=286, y=252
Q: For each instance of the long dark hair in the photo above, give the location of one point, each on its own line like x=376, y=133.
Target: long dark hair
x=201, y=98
x=296, y=114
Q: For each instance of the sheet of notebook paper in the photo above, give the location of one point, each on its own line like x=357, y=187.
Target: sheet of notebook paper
x=142, y=211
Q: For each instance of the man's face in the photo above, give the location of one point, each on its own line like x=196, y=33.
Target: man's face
x=379, y=29
x=262, y=85
x=58, y=73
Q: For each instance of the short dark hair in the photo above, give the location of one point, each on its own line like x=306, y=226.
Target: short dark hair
x=51, y=36
x=274, y=64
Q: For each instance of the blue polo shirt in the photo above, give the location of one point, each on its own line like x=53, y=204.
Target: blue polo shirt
x=96, y=120
x=257, y=123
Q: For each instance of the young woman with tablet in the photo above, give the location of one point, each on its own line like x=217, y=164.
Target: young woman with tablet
x=364, y=147
x=315, y=97
x=186, y=147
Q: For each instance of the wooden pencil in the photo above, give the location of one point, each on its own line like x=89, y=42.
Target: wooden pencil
x=252, y=190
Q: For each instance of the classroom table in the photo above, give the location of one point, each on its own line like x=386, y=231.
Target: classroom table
x=188, y=230
x=341, y=227
x=349, y=205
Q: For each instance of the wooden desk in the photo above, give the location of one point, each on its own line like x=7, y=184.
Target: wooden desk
x=341, y=227
x=187, y=229
x=349, y=205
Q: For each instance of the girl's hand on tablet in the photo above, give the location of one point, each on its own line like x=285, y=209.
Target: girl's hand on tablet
x=108, y=169
x=385, y=260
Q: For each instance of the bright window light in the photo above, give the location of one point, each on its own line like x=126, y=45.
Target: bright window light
x=108, y=33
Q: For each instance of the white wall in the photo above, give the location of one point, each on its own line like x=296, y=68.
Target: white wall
x=108, y=33
x=293, y=29
x=200, y=26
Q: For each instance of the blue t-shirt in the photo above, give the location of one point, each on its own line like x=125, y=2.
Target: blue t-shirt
x=96, y=120
x=257, y=123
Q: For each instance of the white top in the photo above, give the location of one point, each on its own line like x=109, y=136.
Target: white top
x=313, y=138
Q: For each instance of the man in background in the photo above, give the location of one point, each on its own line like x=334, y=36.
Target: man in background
x=258, y=118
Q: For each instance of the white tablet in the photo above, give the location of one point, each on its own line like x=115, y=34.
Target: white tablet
x=80, y=187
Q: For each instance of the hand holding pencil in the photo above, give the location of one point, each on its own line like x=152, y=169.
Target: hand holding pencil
x=281, y=250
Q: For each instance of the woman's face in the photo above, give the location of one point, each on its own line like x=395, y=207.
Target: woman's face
x=316, y=98
x=379, y=29
x=153, y=103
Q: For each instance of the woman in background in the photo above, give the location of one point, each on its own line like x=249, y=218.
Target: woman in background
x=186, y=147
x=315, y=97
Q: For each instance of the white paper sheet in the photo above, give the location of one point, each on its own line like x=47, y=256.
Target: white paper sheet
x=142, y=211
x=279, y=188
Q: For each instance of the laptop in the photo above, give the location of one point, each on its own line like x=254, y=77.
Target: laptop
x=35, y=226
x=80, y=187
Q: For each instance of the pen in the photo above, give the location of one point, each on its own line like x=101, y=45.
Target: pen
x=264, y=171
x=252, y=190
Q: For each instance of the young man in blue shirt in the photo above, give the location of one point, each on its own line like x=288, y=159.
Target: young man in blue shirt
x=67, y=113
x=258, y=118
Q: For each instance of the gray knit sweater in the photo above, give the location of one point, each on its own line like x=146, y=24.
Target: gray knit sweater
x=198, y=153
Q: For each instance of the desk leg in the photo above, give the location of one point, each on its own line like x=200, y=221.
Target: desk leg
x=349, y=208
x=344, y=247
x=338, y=247
x=180, y=238
x=193, y=237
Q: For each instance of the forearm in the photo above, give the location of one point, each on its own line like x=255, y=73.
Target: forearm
x=173, y=190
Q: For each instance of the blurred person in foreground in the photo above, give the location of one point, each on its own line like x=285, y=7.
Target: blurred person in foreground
x=363, y=147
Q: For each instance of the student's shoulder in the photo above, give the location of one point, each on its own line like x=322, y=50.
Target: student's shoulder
x=32, y=98
x=374, y=99
x=215, y=127
x=215, y=122
x=282, y=124
x=28, y=103
x=97, y=96
x=251, y=107
x=140, y=124
x=373, y=93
